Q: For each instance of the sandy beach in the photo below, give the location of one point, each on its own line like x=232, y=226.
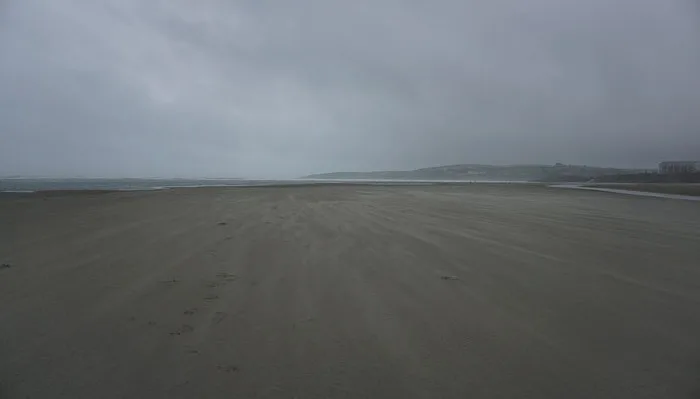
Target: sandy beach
x=349, y=291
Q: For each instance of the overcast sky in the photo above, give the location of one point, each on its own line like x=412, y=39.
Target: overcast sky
x=258, y=88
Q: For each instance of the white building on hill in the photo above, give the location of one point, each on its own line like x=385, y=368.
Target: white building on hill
x=679, y=167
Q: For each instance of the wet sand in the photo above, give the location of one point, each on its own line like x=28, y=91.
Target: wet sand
x=479, y=291
x=629, y=190
x=680, y=189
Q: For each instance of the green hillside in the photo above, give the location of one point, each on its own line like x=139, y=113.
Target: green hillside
x=558, y=172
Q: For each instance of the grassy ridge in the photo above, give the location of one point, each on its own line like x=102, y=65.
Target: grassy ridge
x=557, y=172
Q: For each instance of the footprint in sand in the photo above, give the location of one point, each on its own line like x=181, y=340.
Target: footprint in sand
x=186, y=328
x=226, y=276
x=227, y=368
x=222, y=279
x=218, y=317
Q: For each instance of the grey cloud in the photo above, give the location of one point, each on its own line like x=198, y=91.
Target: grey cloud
x=280, y=89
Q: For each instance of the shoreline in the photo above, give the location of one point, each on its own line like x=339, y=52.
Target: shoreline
x=660, y=191
x=629, y=192
x=685, y=189
x=266, y=183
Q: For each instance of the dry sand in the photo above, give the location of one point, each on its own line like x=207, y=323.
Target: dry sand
x=482, y=291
